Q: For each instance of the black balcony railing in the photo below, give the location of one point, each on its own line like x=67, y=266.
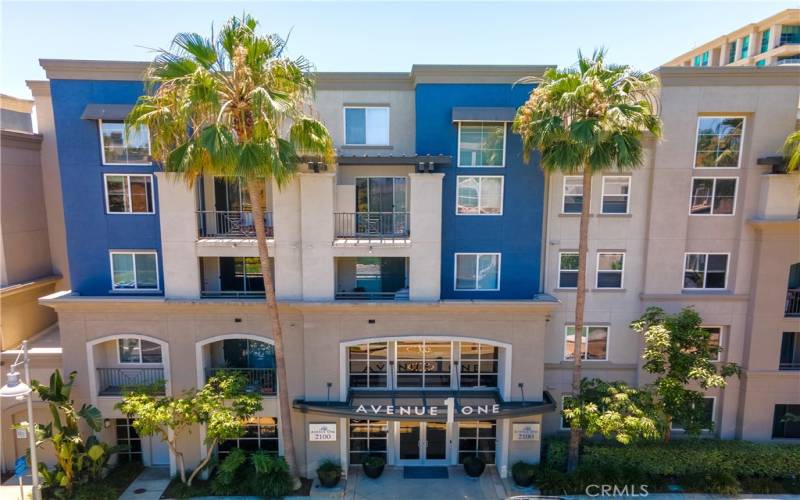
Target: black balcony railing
x=231, y=294
x=259, y=380
x=400, y=295
x=115, y=381
x=372, y=225
x=792, y=302
x=789, y=366
x=216, y=224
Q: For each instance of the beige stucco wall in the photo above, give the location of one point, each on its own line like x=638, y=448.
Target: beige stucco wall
x=21, y=316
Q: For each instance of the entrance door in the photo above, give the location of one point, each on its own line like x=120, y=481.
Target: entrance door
x=159, y=451
x=422, y=443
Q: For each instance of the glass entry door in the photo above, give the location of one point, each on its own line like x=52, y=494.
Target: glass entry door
x=422, y=443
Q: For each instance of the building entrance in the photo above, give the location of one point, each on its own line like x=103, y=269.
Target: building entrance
x=422, y=443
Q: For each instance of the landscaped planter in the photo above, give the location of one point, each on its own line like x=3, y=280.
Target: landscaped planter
x=329, y=474
x=474, y=466
x=523, y=474
x=373, y=466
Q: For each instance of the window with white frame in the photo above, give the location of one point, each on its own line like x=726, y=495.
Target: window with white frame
x=479, y=195
x=616, y=194
x=366, y=126
x=260, y=433
x=479, y=364
x=713, y=196
x=705, y=270
x=368, y=437
x=477, y=438
x=134, y=270
x=573, y=195
x=594, y=343
x=568, y=269
x=708, y=416
x=129, y=194
x=719, y=141
x=124, y=147
x=477, y=271
x=481, y=144
x=138, y=351
x=368, y=364
x=610, y=269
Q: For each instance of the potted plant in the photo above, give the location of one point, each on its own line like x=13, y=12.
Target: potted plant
x=523, y=473
x=474, y=465
x=373, y=466
x=329, y=473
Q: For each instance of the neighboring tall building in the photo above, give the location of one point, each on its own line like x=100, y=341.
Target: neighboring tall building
x=773, y=41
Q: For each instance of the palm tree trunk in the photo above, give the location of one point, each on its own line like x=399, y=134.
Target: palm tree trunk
x=254, y=187
x=580, y=302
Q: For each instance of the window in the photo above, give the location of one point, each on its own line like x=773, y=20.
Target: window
x=708, y=416
x=719, y=142
x=366, y=126
x=790, y=351
x=745, y=46
x=129, y=194
x=138, y=351
x=786, y=421
x=134, y=271
x=367, y=437
x=478, y=437
x=594, y=345
x=761, y=62
x=573, y=195
x=423, y=364
x=261, y=433
x=610, y=269
x=568, y=269
x=481, y=144
x=697, y=60
x=790, y=34
x=732, y=52
x=478, y=365
x=368, y=364
x=121, y=148
x=704, y=270
x=616, y=191
x=129, y=441
x=764, y=41
x=479, y=195
x=477, y=271
x=715, y=196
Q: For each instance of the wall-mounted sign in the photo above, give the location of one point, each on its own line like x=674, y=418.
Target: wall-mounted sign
x=322, y=432
x=22, y=434
x=433, y=411
x=525, y=431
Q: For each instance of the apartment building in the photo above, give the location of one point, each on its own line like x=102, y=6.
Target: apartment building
x=774, y=41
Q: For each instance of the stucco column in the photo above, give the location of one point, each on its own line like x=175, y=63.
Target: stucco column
x=178, y=219
x=426, y=236
x=774, y=36
x=316, y=230
x=286, y=219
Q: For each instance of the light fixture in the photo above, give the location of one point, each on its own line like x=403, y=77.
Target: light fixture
x=14, y=388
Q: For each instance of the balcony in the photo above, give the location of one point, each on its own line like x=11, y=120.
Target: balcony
x=232, y=277
x=116, y=381
x=792, y=309
x=371, y=278
x=259, y=380
x=372, y=225
x=253, y=359
x=230, y=224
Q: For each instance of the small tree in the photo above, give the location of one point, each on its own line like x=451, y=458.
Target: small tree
x=613, y=409
x=678, y=352
x=222, y=405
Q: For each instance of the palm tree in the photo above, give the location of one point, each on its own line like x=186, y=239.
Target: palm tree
x=791, y=151
x=235, y=106
x=583, y=120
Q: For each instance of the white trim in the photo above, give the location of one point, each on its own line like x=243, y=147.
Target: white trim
x=627, y=196
x=140, y=362
x=558, y=279
x=713, y=195
x=480, y=182
x=198, y=348
x=705, y=270
x=366, y=125
x=103, y=146
x=458, y=146
x=90, y=360
x=128, y=189
x=597, y=272
x=111, y=254
x=713, y=417
x=587, y=326
x=564, y=194
x=697, y=134
x=477, y=260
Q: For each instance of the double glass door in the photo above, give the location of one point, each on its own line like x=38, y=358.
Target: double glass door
x=423, y=443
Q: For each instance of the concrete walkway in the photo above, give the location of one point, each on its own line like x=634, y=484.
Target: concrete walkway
x=10, y=489
x=149, y=485
x=392, y=486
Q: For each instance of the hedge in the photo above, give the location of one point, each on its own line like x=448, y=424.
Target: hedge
x=684, y=457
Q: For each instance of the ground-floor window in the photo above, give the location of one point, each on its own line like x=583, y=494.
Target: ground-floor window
x=477, y=437
x=261, y=433
x=786, y=421
x=129, y=440
x=367, y=437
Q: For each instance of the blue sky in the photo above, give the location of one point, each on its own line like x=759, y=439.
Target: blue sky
x=377, y=36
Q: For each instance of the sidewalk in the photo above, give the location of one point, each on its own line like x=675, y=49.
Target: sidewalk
x=10, y=489
x=149, y=485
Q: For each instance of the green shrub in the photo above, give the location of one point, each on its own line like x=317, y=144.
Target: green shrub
x=227, y=480
x=374, y=461
x=272, y=478
x=763, y=485
x=555, y=453
x=722, y=483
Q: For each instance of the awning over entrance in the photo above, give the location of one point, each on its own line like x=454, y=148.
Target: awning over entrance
x=427, y=405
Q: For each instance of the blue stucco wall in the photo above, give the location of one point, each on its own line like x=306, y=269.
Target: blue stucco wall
x=91, y=233
x=517, y=234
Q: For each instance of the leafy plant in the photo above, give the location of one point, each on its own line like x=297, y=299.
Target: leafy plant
x=374, y=461
x=272, y=478
x=329, y=466
x=225, y=480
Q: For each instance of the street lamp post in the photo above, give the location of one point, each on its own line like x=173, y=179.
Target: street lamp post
x=15, y=388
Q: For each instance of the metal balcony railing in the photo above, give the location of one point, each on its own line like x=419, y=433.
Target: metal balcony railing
x=399, y=295
x=231, y=294
x=789, y=366
x=372, y=225
x=115, y=381
x=792, y=302
x=216, y=224
x=259, y=380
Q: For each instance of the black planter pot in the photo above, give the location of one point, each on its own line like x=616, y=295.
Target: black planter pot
x=373, y=471
x=523, y=479
x=474, y=466
x=329, y=479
